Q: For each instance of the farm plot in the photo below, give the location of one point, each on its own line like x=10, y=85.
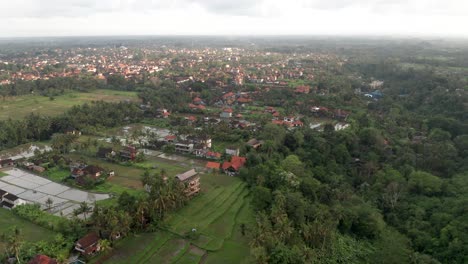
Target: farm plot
x=217, y=214
x=30, y=231
x=20, y=106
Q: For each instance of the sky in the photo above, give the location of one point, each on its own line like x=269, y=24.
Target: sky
x=27, y=18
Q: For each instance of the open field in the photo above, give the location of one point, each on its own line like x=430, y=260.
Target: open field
x=20, y=106
x=30, y=232
x=217, y=214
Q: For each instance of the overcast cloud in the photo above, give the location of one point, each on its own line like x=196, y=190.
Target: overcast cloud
x=231, y=17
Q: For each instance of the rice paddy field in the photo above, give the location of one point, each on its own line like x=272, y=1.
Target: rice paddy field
x=30, y=232
x=217, y=214
x=20, y=106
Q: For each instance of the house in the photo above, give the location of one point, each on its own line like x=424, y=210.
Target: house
x=226, y=113
x=232, y=167
x=184, y=146
x=105, y=152
x=128, y=153
x=6, y=163
x=213, y=155
x=170, y=138
x=72, y=131
x=289, y=119
x=304, y=89
x=77, y=172
x=10, y=201
x=204, y=140
x=88, y=245
x=42, y=259
x=2, y=193
x=191, y=181
x=341, y=126
x=210, y=165
x=255, y=143
x=36, y=168
x=233, y=151
x=93, y=171
x=297, y=123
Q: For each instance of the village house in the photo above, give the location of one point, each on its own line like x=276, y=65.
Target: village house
x=42, y=259
x=88, y=245
x=255, y=143
x=232, y=167
x=72, y=131
x=233, y=151
x=105, y=153
x=226, y=113
x=9, y=200
x=191, y=181
x=6, y=163
x=304, y=89
x=214, y=166
x=184, y=146
x=128, y=153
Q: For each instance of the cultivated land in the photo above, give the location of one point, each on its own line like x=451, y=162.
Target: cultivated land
x=30, y=232
x=20, y=106
x=217, y=214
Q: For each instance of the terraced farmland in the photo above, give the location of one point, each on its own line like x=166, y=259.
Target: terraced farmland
x=216, y=213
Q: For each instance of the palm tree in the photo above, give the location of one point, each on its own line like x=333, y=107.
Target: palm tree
x=104, y=245
x=49, y=203
x=85, y=209
x=14, y=243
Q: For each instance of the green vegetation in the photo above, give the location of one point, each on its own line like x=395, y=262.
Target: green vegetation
x=2, y=174
x=20, y=106
x=30, y=231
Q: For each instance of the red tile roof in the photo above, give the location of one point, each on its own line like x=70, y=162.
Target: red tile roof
x=236, y=163
x=42, y=259
x=213, y=165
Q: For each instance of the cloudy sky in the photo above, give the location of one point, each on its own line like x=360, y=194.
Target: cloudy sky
x=233, y=17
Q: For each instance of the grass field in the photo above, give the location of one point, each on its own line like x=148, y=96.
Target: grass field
x=20, y=106
x=217, y=214
x=2, y=174
x=30, y=231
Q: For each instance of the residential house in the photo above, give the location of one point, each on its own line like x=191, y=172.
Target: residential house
x=297, y=123
x=210, y=165
x=226, y=113
x=36, y=168
x=213, y=155
x=184, y=146
x=191, y=181
x=10, y=201
x=340, y=126
x=42, y=259
x=6, y=163
x=128, y=153
x=233, y=151
x=232, y=167
x=88, y=245
x=105, y=153
x=93, y=171
x=304, y=89
x=255, y=143
x=170, y=138
x=72, y=131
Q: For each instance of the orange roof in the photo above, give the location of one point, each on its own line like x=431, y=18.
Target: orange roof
x=236, y=163
x=212, y=165
x=42, y=259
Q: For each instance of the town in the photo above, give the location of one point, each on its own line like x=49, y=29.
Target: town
x=209, y=150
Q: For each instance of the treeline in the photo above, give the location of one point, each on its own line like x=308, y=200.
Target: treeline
x=87, y=118
x=389, y=190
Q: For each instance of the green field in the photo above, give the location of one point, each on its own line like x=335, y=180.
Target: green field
x=30, y=232
x=20, y=106
x=2, y=174
x=217, y=214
